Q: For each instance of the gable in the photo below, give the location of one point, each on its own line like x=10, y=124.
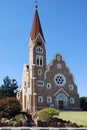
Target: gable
x=57, y=65
x=61, y=90
x=39, y=38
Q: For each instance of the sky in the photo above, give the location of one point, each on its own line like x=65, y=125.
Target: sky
x=64, y=24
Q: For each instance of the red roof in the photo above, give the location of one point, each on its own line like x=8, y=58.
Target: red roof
x=36, y=27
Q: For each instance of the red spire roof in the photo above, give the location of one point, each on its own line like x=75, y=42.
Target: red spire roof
x=36, y=27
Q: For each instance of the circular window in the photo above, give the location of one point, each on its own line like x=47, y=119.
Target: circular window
x=58, y=58
x=59, y=66
x=60, y=79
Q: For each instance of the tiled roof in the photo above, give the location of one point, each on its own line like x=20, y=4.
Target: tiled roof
x=36, y=27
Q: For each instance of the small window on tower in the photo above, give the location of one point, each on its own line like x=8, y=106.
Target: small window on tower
x=39, y=72
x=39, y=49
x=39, y=60
x=39, y=43
x=24, y=83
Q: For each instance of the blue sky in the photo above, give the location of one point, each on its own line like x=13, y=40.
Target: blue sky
x=64, y=24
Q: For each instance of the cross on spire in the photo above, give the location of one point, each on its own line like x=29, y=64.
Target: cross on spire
x=36, y=6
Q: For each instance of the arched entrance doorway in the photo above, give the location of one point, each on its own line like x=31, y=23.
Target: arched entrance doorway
x=61, y=101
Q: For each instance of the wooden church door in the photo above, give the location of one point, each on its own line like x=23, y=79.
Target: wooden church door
x=60, y=104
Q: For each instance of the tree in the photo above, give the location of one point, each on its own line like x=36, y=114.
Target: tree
x=83, y=103
x=9, y=107
x=9, y=88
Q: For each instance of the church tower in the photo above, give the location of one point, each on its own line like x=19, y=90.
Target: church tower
x=37, y=58
x=46, y=85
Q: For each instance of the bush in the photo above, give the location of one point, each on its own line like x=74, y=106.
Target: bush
x=46, y=114
x=9, y=107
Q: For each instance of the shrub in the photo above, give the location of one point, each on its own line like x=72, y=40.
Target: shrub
x=9, y=107
x=83, y=103
x=46, y=114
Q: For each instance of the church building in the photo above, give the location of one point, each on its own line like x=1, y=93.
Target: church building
x=46, y=85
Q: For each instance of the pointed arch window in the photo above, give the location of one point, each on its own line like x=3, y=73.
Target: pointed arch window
x=39, y=60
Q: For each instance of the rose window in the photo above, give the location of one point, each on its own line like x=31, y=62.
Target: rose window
x=60, y=79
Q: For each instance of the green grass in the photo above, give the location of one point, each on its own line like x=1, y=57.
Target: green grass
x=79, y=117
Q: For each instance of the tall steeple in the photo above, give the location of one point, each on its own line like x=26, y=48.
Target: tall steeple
x=36, y=27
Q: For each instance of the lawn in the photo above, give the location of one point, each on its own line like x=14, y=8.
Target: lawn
x=79, y=117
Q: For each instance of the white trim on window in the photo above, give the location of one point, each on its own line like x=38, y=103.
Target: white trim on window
x=60, y=79
x=39, y=60
x=49, y=99
x=40, y=98
x=39, y=49
x=40, y=83
x=72, y=100
x=48, y=85
x=70, y=86
x=39, y=72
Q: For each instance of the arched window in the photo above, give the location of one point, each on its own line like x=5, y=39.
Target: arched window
x=39, y=60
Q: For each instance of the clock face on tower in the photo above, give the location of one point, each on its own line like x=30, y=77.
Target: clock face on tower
x=60, y=79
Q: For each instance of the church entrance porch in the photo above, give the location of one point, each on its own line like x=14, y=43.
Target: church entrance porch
x=61, y=101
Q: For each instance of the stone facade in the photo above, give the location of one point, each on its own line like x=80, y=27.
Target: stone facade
x=45, y=85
